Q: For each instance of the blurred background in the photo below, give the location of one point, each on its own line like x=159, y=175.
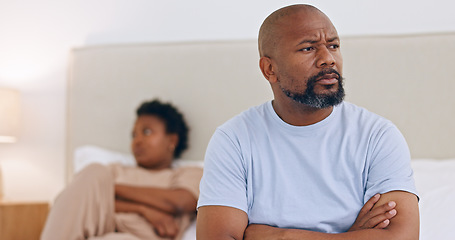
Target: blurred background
x=36, y=37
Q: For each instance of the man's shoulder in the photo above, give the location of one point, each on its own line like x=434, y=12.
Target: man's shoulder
x=362, y=117
x=355, y=110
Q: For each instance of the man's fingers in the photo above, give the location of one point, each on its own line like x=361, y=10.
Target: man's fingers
x=381, y=220
x=369, y=204
x=365, y=211
x=383, y=209
x=371, y=216
x=383, y=224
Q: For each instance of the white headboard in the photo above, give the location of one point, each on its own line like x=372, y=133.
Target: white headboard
x=407, y=79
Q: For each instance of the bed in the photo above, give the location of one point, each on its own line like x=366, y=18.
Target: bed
x=407, y=79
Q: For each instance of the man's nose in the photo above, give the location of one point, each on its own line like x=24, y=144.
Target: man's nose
x=325, y=58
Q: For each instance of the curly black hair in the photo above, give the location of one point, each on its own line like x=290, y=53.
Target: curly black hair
x=173, y=119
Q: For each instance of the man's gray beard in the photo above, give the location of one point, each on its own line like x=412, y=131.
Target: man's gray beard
x=320, y=101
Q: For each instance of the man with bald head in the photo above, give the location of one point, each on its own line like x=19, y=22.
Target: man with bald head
x=306, y=165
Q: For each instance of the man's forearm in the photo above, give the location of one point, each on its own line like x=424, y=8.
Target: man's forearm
x=263, y=232
x=403, y=226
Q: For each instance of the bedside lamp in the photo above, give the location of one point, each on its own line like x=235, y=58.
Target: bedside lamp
x=9, y=119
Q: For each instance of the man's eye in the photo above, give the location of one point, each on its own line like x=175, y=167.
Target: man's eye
x=334, y=46
x=147, y=132
x=306, y=49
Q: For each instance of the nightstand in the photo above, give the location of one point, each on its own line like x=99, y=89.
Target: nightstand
x=22, y=220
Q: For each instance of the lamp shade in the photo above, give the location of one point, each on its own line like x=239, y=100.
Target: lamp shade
x=9, y=115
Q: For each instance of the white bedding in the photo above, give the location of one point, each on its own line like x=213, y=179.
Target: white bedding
x=88, y=154
x=435, y=181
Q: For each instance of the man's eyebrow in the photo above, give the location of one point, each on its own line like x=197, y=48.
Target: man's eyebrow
x=315, y=41
x=333, y=39
x=307, y=41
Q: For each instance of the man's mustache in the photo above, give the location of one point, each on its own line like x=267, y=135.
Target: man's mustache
x=325, y=72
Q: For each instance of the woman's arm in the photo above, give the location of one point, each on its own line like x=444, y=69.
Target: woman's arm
x=172, y=201
x=163, y=223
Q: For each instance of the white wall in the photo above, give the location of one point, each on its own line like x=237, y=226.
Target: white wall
x=36, y=36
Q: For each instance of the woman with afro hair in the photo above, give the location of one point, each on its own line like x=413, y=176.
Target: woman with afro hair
x=151, y=201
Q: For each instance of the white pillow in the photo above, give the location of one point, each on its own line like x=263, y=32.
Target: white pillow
x=88, y=154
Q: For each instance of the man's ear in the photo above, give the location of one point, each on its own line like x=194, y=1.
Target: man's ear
x=265, y=63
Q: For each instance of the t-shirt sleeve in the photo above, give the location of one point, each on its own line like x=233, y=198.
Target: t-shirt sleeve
x=224, y=180
x=390, y=164
x=187, y=178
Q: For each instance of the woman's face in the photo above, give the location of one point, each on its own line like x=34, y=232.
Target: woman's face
x=152, y=147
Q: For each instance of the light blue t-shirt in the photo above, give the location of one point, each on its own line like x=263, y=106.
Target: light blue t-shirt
x=314, y=177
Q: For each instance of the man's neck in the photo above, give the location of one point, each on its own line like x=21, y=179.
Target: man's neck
x=299, y=114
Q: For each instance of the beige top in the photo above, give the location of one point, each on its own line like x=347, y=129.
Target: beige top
x=187, y=178
x=174, y=178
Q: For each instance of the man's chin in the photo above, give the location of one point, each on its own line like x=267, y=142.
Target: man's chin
x=322, y=101
x=318, y=97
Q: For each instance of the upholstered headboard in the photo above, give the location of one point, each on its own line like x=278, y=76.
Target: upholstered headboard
x=407, y=79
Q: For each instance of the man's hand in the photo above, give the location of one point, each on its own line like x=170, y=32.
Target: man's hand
x=163, y=223
x=370, y=217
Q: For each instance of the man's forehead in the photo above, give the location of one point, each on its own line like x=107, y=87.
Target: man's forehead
x=311, y=23
x=307, y=19
x=315, y=34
